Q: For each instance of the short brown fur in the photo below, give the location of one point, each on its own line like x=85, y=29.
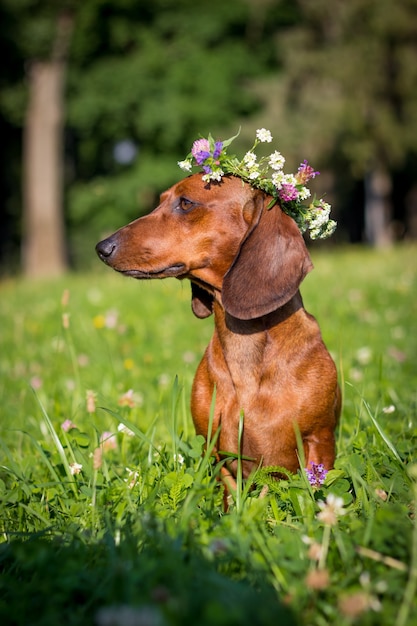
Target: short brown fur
x=266, y=359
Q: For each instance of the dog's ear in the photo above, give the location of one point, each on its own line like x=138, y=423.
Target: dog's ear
x=269, y=267
x=201, y=301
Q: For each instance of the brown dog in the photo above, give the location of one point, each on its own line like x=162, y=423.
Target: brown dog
x=266, y=359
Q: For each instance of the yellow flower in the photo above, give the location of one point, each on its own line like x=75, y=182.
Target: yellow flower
x=128, y=364
x=99, y=321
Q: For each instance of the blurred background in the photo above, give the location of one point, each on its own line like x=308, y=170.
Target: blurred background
x=99, y=100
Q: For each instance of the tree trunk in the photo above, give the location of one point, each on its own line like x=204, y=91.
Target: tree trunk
x=44, y=250
x=378, y=208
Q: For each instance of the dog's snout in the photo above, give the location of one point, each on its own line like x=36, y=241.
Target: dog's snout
x=106, y=248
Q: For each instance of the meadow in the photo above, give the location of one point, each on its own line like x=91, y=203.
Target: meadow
x=110, y=508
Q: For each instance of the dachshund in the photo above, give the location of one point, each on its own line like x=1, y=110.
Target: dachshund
x=266, y=360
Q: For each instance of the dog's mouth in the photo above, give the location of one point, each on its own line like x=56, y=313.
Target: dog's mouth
x=171, y=271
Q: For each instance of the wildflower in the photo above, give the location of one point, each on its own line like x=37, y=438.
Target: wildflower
x=67, y=425
x=388, y=409
x=364, y=355
x=381, y=493
x=91, y=401
x=179, y=458
x=305, y=172
x=132, y=479
x=83, y=360
x=331, y=510
x=97, y=458
x=250, y=159
x=265, y=173
x=108, y=441
x=304, y=193
x=65, y=320
x=355, y=604
x=218, y=147
x=65, y=298
x=111, y=319
x=276, y=160
x=316, y=474
x=36, y=382
x=201, y=150
x=318, y=579
x=264, y=135
x=185, y=165
x=128, y=364
x=188, y=357
x=278, y=179
x=288, y=193
x=124, y=429
x=213, y=175
x=127, y=399
x=99, y=321
x=75, y=468
x=315, y=550
x=164, y=380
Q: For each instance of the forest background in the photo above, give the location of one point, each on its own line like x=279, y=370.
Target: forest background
x=100, y=99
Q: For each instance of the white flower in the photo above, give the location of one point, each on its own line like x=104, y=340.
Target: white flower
x=388, y=409
x=264, y=135
x=216, y=175
x=75, y=468
x=250, y=159
x=122, y=428
x=304, y=193
x=276, y=160
x=253, y=174
x=133, y=476
x=290, y=179
x=331, y=509
x=185, y=165
x=278, y=179
x=364, y=355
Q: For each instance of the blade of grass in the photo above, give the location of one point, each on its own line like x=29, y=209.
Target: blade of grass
x=133, y=428
x=239, y=473
x=58, y=446
x=411, y=586
x=381, y=433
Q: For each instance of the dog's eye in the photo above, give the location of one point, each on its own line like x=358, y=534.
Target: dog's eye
x=185, y=204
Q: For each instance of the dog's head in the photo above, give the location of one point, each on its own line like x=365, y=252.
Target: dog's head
x=223, y=238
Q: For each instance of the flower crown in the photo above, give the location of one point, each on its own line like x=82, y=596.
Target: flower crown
x=289, y=190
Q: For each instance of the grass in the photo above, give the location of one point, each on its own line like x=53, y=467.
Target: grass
x=118, y=520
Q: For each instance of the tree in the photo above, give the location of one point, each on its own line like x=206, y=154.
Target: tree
x=156, y=74
x=349, y=85
x=44, y=249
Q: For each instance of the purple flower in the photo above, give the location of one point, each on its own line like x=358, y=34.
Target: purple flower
x=317, y=474
x=288, y=193
x=202, y=156
x=218, y=147
x=305, y=172
x=201, y=150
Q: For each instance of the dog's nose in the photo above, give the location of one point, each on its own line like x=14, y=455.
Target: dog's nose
x=106, y=248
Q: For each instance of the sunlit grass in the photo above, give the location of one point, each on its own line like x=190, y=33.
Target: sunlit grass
x=101, y=471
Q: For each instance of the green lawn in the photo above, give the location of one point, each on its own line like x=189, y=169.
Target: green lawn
x=106, y=526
